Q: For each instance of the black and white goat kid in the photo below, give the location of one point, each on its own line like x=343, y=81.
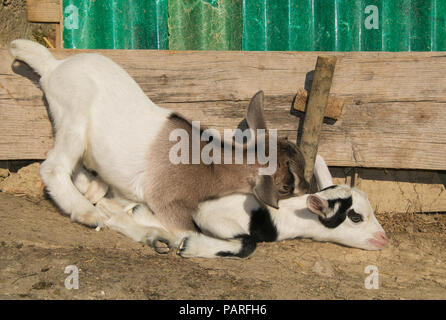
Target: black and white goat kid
x=232, y=225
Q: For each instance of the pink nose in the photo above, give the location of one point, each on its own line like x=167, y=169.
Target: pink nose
x=379, y=239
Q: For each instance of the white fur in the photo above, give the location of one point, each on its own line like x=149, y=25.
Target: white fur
x=139, y=224
x=101, y=117
x=321, y=173
x=200, y=245
x=296, y=220
x=293, y=219
x=223, y=219
x=229, y=216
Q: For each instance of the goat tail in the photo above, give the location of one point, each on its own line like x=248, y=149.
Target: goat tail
x=35, y=55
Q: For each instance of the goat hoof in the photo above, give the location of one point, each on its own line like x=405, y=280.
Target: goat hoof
x=161, y=246
x=92, y=219
x=182, y=247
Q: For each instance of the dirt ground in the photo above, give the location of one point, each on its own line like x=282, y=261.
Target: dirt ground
x=37, y=243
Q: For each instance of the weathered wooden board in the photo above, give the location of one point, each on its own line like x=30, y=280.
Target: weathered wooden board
x=394, y=114
x=334, y=105
x=43, y=10
x=398, y=190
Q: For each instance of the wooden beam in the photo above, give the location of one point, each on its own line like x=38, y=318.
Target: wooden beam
x=43, y=10
x=314, y=114
x=397, y=190
x=393, y=116
x=334, y=105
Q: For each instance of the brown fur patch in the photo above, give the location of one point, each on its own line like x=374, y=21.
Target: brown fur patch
x=174, y=191
x=289, y=176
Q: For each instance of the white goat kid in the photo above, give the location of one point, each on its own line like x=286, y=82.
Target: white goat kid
x=232, y=225
x=79, y=94
x=104, y=121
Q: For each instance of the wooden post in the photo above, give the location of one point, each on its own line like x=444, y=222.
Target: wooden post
x=47, y=11
x=314, y=114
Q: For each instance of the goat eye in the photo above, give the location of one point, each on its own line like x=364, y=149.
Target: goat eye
x=354, y=216
x=283, y=190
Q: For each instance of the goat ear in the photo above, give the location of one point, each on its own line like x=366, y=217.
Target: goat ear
x=317, y=205
x=322, y=173
x=266, y=192
x=254, y=116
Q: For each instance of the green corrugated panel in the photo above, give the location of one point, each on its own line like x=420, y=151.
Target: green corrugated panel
x=115, y=24
x=405, y=25
x=438, y=25
x=320, y=25
x=411, y=25
x=344, y=25
x=265, y=25
x=302, y=30
x=205, y=24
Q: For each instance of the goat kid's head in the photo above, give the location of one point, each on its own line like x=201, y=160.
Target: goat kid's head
x=348, y=218
x=288, y=179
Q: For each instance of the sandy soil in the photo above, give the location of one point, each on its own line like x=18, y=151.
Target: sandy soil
x=37, y=243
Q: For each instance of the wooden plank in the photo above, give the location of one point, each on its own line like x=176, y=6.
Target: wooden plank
x=393, y=116
x=398, y=190
x=58, y=36
x=43, y=10
x=334, y=105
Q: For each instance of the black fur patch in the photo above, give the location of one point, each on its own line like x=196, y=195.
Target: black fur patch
x=197, y=228
x=183, y=248
x=176, y=116
x=330, y=187
x=289, y=183
x=248, y=247
x=261, y=226
x=290, y=149
x=304, y=185
x=340, y=215
x=137, y=207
